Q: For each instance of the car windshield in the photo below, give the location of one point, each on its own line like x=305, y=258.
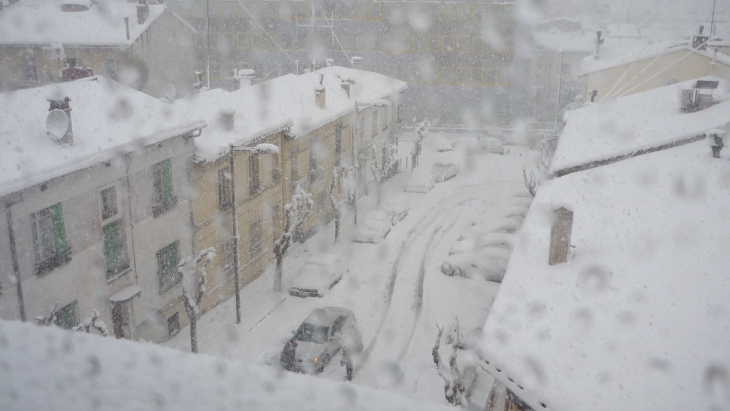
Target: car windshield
x=312, y=333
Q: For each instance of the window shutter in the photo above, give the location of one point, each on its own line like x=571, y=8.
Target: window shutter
x=110, y=247
x=167, y=182
x=34, y=229
x=59, y=230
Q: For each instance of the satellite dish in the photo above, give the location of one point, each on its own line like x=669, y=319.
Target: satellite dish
x=57, y=124
x=168, y=91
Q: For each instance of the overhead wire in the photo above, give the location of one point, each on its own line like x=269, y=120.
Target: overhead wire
x=266, y=32
x=331, y=25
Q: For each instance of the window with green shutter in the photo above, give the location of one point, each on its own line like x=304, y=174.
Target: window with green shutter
x=164, y=192
x=168, y=260
x=68, y=316
x=115, y=248
x=49, y=238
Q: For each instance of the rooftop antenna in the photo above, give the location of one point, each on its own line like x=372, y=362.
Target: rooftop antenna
x=712, y=22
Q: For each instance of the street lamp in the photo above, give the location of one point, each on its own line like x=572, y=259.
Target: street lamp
x=259, y=149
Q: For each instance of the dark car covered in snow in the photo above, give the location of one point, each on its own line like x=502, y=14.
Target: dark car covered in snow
x=319, y=338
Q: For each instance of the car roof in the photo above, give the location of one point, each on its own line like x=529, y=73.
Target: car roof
x=326, y=315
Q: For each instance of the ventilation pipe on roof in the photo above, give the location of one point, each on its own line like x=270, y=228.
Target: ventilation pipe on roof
x=126, y=23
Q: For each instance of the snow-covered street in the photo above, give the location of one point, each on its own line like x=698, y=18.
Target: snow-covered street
x=395, y=288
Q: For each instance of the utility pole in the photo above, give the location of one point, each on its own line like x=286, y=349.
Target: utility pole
x=712, y=22
x=207, y=42
x=312, y=26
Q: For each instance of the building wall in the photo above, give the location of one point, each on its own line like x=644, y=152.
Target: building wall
x=681, y=65
x=213, y=226
x=83, y=279
x=554, y=73
x=162, y=54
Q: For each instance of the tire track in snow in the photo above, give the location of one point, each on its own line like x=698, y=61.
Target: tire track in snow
x=420, y=228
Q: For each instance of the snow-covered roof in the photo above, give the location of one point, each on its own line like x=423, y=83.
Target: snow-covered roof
x=619, y=57
x=94, y=372
x=43, y=23
x=107, y=119
x=286, y=101
x=636, y=319
x=636, y=122
x=583, y=42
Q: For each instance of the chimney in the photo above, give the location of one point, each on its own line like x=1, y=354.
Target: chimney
x=356, y=62
x=560, y=236
x=243, y=78
x=56, y=104
x=143, y=11
x=227, y=119
x=599, y=41
x=346, y=86
x=319, y=93
x=126, y=23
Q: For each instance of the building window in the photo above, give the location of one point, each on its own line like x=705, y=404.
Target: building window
x=49, y=238
x=224, y=189
x=375, y=122
x=164, y=193
x=257, y=245
x=68, y=316
x=167, y=266
x=112, y=69
x=29, y=68
x=173, y=325
x=227, y=256
x=254, y=182
x=338, y=144
x=322, y=200
x=294, y=160
x=560, y=235
x=115, y=248
x=109, y=203
x=275, y=170
x=313, y=161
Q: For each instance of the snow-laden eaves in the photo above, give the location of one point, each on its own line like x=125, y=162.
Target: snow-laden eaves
x=637, y=123
x=108, y=120
x=637, y=317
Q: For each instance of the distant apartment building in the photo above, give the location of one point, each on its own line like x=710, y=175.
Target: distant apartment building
x=458, y=57
x=142, y=45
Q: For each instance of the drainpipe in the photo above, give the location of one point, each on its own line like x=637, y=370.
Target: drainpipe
x=560, y=85
x=235, y=237
x=14, y=256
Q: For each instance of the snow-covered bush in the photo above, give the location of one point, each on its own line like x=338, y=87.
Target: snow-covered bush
x=295, y=213
x=194, y=277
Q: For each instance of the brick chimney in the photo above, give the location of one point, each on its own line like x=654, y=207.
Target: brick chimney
x=320, y=94
x=143, y=11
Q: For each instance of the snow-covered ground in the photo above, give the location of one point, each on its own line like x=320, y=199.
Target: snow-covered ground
x=395, y=288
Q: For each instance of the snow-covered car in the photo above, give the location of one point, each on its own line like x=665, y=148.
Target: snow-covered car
x=445, y=167
x=395, y=208
x=487, y=263
x=492, y=145
x=320, y=336
x=319, y=273
x=421, y=180
x=500, y=240
x=374, y=227
x=438, y=142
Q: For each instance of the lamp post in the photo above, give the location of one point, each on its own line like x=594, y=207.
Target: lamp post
x=259, y=149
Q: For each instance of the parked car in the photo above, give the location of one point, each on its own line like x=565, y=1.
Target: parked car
x=373, y=227
x=492, y=145
x=320, y=336
x=421, y=180
x=395, y=208
x=445, y=166
x=438, y=142
x=489, y=263
x=318, y=274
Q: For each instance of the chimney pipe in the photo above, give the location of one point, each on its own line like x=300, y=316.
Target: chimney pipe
x=126, y=23
x=228, y=119
x=319, y=93
x=599, y=41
